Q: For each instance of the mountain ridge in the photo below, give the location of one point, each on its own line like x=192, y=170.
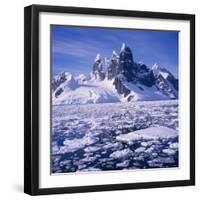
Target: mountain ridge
x=118, y=79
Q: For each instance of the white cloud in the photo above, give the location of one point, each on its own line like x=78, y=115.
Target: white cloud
x=76, y=48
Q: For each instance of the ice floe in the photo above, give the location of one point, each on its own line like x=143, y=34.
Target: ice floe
x=152, y=133
x=114, y=136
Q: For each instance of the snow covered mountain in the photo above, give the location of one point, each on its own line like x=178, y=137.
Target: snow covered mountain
x=118, y=79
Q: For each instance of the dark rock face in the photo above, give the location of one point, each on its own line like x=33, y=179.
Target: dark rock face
x=98, y=70
x=120, y=87
x=61, y=78
x=147, y=79
x=164, y=87
x=113, y=66
x=126, y=63
x=173, y=81
x=122, y=68
x=58, y=92
x=165, y=82
x=141, y=68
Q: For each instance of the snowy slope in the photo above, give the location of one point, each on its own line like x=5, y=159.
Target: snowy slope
x=74, y=91
x=143, y=93
x=85, y=93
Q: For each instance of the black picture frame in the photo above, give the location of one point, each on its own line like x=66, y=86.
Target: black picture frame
x=31, y=98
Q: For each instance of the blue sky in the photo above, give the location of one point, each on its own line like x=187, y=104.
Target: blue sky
x=74, y=48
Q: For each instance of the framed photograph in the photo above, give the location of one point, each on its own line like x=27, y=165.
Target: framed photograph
x=109, y=100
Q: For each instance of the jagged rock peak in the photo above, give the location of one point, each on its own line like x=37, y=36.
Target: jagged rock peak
x=60, y=78
x=123, y=46
x=114, y=55
x=140, y=63
x=156, y=69
x=98, y=58
x=155, y=66
x=98, y=68
x=126, y=63
x=126, y=52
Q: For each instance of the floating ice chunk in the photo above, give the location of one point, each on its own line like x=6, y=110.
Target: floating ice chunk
x=154, y=154
x=65, y=162
x=90, y=169
x=118, y=132
x=169, y=151
x=76, y=144
x=144, y=144
x=56, y=158
x=140, y=150
x=168, y=160
x=121, y=153
x=123, y=164
x=174, y=145
x=150, y=149
x=154, y=164
x=111, y=145
x=91, y=149
x=55, y=148
x=139, y=158
x=81, y=167
x=89, y=159
x=152, y=133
